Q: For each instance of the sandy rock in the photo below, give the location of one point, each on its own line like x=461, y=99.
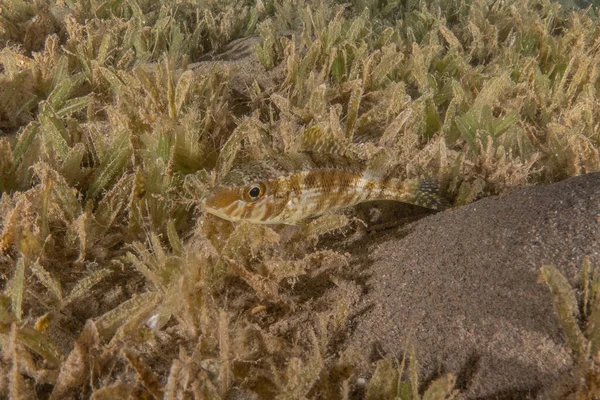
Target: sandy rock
x=462, y=287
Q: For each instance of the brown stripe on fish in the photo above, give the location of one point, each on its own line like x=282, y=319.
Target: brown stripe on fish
x=331, y=186
x=272, y=187
x=323, y=191
x=370, y=188
x=231, y=210
x=347, y=183
x=268, y=211
x=311, y=179
x=248, y=210
x=327, y=181
x=295, y=182
x=347, y=180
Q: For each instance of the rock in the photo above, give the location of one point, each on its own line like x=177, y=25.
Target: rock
x=462, y=287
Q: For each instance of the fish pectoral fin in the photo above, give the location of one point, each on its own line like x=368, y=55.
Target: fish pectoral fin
x=321, y=225
x=304, y=222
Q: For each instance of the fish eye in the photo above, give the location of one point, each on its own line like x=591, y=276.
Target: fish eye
x=254, y=192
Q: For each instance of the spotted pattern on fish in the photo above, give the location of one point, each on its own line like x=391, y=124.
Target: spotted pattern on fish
x=293, y=188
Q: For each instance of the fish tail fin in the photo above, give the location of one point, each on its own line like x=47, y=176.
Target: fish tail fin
x=426, y=192
x=430, y=193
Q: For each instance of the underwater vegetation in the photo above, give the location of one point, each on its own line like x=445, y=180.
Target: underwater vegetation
x=578, y=316
x=115, y=284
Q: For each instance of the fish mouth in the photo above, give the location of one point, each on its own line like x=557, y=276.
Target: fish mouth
x=236, y=212
x=204, y=207
x=218, y=201
x=219, y=212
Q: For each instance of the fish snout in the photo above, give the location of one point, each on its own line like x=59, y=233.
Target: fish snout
x=220, y=198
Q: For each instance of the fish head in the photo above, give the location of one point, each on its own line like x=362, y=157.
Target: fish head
x=252, y=192
x=253, y=203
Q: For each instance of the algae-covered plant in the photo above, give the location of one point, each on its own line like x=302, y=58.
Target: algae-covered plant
x=117, y=117
x=579, y=321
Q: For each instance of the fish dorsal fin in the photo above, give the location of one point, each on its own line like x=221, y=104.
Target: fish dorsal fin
x=316, y=140
x=327, y=150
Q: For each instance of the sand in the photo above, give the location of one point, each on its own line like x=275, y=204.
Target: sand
x=462, y=287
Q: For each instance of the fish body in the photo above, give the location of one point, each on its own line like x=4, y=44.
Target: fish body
x=290, y=189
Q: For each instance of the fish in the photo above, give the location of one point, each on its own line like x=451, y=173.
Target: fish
x=296, y=187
